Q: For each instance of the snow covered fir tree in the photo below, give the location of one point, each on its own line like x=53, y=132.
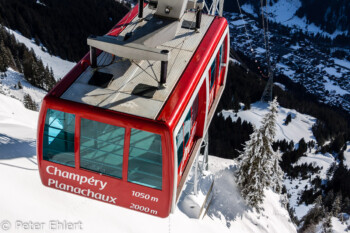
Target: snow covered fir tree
x=259, y=163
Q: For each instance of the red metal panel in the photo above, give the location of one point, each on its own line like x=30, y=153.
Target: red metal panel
x=181, y=95
x=159, y=202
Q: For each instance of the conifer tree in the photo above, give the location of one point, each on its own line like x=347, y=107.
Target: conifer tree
x=252, y=176
x=336, y=208
x=259, y=164
x=327, y=224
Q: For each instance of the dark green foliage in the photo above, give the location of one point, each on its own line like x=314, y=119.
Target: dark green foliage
x=29, y=103
x=340, y=181
x=339, y=54
x=288, y=119
x=18, y=57
x=313, y=217
x=227, y=137
x=330, y=15
x=327, y=224
x=283, y=145
x=308, y=196
x=62, y=30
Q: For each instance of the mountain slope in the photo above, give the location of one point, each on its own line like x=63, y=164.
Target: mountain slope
x=24, y=191
x=59, y=67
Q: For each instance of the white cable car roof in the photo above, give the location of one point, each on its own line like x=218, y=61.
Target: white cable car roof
x=134, y=87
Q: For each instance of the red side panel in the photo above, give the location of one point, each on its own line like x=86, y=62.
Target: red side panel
x=178, y=100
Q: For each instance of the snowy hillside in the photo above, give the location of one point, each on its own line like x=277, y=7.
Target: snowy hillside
x=298, y=128
x=24, y=193
x=284, y=12
x=9, y=87
x=60, y=67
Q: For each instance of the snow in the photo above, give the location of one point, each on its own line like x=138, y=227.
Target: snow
x=60, y=67
x=344, y=63
x=239, y=22
x=320, y=160
x=40, y=3
x=12, y=78
x=24, y=199
x=283, y=11
x=333, y=72
x=280, y=85
x=337, y=226
x=328, y=85
x=300, y=126
x=347, y=155
x=295, y=47
x=260, y=50
x=249, y=9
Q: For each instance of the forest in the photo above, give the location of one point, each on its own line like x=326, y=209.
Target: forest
x=18, y=57
x=65, y=37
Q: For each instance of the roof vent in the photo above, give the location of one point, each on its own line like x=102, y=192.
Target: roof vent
x=100, y=79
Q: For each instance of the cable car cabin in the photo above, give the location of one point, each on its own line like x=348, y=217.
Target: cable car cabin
x=125, y=124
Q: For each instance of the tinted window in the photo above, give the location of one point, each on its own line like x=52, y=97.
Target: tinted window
x=145, y=159
x=212, y=73
x=59, y=137
x=187, y=127
x=221, y=53
x=180, y=145
x=101, y=148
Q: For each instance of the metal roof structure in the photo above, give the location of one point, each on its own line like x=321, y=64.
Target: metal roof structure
x=130, y=85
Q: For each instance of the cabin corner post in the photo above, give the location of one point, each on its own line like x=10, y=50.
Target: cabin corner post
x=164, y=69
x=93, y=57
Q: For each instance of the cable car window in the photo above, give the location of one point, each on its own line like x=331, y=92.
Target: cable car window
x=145, y=159
x=101, y=147
x=187, y=127
x=180, y=145
x=184, y=133
x=59, y=137
x=221, y=53
x=212, y=73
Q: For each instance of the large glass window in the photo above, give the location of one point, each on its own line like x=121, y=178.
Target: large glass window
x=101, y=147
x=59, y=137
x=145, y=159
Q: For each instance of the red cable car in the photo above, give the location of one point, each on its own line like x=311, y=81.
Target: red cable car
x=125, y=124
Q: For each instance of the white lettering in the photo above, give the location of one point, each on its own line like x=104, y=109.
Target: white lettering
x=83, y=192
x=47, y=169
x=52, y=170
x=83, y=180
x=112, y=200
x=51, y=181
x=103, y=185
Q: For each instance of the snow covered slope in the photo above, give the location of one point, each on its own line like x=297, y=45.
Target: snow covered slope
x=60, y=67
x=24, y=199
x=9, y=86
x=300, y=126
x=283, y=11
